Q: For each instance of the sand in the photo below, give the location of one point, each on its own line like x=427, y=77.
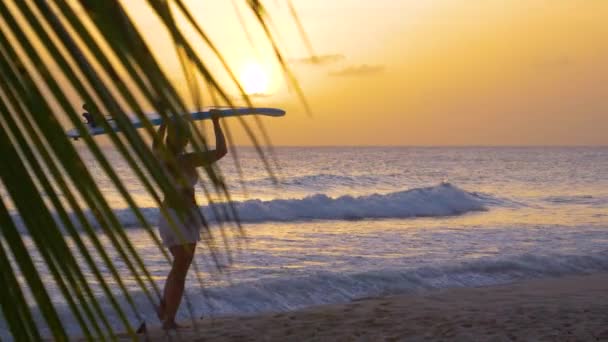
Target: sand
x=560, y=309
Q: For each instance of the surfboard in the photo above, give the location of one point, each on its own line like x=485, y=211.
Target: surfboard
x=95, y=128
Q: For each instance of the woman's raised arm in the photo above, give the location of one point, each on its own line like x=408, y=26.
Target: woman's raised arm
x=211, y=156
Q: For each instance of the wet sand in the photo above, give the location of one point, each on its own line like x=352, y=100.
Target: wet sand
x=559, y=309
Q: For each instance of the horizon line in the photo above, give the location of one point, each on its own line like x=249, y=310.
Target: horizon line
x=428, y=146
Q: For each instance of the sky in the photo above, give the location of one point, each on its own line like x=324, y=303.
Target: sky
x=405, y=72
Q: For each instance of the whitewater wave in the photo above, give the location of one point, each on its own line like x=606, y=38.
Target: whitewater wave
x=442, y=200
x=291, y=293
x=286, y=294
x=436, y=201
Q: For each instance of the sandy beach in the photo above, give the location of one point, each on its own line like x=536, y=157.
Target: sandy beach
x=558, y=309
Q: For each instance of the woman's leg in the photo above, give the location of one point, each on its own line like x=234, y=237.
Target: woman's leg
x=174, y=286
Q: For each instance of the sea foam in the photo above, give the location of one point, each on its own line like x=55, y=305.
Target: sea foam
x=436, y=201
x=334, y=287
x=291, y=293
x=441, y=200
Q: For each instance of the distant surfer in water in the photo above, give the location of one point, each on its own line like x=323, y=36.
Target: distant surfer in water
x=181, y=239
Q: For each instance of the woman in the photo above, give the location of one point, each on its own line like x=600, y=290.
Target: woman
x=181, y=238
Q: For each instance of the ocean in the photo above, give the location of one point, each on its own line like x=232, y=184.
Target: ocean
x=346, y=223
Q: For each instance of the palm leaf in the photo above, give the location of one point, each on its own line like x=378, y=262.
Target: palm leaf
x=98, y=54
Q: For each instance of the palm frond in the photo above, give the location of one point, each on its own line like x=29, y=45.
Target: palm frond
x=50, y=53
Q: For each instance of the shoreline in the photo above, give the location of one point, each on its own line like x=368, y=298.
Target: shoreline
x=572, y=308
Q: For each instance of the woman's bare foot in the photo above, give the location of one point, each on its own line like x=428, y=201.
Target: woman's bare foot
x=171, y=325
x=142, y=328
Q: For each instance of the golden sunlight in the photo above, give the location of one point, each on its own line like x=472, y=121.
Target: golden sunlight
x=254, y=79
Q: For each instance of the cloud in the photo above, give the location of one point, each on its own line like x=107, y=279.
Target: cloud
x=358, y=70
x=318, y=59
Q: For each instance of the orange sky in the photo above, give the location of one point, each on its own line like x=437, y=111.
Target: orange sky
x=434, y=72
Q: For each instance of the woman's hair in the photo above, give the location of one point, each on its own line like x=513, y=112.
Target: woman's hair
x=178, y=135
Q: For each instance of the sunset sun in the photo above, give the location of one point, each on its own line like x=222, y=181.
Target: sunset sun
x=254, y=79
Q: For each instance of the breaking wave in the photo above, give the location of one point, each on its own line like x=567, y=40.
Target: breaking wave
x=436, y=201
x=441, y=200
x=291, y=293
x=329, y=287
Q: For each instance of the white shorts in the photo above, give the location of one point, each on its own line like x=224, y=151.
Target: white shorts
x=182, y=233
